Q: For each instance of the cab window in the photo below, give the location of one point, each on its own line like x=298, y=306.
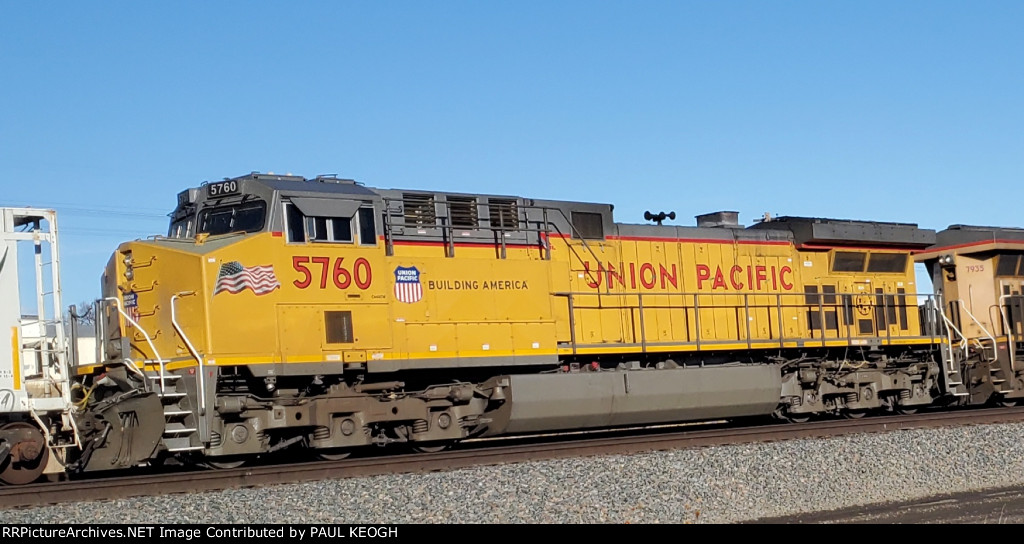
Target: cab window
x=302, y=228
x=888, y=262
x=848, y=261
x=367, y=230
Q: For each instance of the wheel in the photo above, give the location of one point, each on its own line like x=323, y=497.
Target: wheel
x=1008, y=403
x=332, y=454
x=430, y=447
x=782, y=415
x=854, y=414
x=28, y=456
x=906, y=411
x=226, y=462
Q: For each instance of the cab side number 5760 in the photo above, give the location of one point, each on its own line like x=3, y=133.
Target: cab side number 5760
x=360, y=274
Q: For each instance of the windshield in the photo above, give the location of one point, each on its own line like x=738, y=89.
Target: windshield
x=244, y=217
x=181, y=228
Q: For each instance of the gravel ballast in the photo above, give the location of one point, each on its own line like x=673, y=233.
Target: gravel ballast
x=705, y=485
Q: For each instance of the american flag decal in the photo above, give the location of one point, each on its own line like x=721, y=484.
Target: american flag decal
x=235, y=278
x=407, y=284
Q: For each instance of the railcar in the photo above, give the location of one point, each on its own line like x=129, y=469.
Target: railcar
x=320, y=313
x=36, y=428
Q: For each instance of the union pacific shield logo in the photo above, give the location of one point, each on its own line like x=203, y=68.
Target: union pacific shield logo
x=407, y=284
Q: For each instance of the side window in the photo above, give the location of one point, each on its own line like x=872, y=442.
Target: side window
x=1007, y=265
x=367, y=230
x=848, y=261
x=329, y=229
x=888, y=262
x=303, y=228
x=588, y=225
x=295, y=223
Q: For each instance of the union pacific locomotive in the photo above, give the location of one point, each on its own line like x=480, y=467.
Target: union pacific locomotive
x=319, y=314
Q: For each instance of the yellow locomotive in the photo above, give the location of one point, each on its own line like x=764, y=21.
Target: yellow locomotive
x=319, y=313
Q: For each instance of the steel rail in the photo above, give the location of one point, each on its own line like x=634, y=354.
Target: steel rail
x=481, y=453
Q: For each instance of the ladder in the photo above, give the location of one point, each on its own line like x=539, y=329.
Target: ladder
x=181, y=431
x=52, y=350
x=951, y=359
x=182, y=422
x=987, y=347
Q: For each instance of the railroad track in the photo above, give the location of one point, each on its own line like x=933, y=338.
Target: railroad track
x=478, y=453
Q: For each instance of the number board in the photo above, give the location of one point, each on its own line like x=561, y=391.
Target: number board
x=222, y=188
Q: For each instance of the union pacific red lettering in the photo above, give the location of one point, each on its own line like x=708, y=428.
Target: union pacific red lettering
x=593, y=280
x=703, y=273
x=737, y=285
x=759, y=271
x=759, y=278
x=614, y=276
x=719, y=279
x=621, y=275
x=648, y=283
x=665, y=276
x=787, y=285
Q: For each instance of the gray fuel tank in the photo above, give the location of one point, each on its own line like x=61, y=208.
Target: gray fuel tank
x=580, y=400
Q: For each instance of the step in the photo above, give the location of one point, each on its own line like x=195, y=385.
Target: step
x=177, y=413
x=179, y=443
x=188, y=448
x=186, y=430
x=171, y=395
x=167, y=376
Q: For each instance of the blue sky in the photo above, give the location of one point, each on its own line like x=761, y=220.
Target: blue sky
x=894, y=111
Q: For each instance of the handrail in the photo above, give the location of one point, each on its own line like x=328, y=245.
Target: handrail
x=949, y=340
x=577, y=255
x=448, y=234
x=773, y=309
x=1009, y=331
x=963, y=307
x=572, y=227
x=964, y=345
x=132, y=366
x=120, y=310
x=201, y=393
